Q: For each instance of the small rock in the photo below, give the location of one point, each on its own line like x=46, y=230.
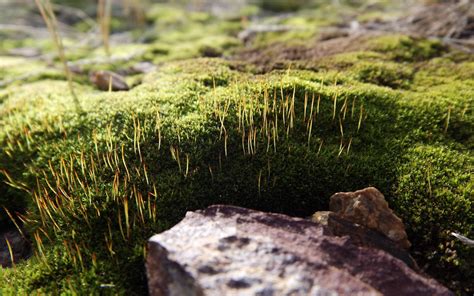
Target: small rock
x=105, y=80
x=369, y=208
x=142, y=67
x=76, y=69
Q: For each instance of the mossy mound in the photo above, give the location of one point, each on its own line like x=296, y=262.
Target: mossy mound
x=196, y=133
x=394, y=112
x=384, y=74
x=408, y=49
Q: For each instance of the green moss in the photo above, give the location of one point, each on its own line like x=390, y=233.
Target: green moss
x=344, y=61
x=167, y=15
x=384, y=74
x=187, y=116
x=409, y=49
x=282, y=5
x=29, y=277
x=435, y=197
x=24, y=70
x=10, y=42
x=178, y=34
x=444, y=71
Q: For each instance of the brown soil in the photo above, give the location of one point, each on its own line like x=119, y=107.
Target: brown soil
x=283, y=56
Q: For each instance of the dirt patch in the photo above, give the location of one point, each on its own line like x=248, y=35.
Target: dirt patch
x=281, y=55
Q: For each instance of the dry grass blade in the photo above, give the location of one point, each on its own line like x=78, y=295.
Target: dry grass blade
x=49, y=18
x=463, y=239
x=448, y=118
x=10, y=250
x=103, y=15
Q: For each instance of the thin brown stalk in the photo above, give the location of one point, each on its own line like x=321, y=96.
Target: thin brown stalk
x=49, y=18
x=360, y=117
x=320, y=146
x=448, y=118
x=103, y=15
x=10, y=250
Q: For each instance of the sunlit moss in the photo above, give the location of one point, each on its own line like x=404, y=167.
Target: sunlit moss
x=409, y=49
x=17, y=69
x=384, y=74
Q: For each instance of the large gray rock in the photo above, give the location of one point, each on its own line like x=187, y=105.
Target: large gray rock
x=225, y=250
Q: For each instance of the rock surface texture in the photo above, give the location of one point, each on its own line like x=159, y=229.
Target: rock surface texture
x=369, y=208
x=334, y=225
x=225, y=250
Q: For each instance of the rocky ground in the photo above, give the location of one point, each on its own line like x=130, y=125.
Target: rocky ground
x=225, y=250
x=268, y=105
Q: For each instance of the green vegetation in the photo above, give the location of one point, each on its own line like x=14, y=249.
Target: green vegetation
x=282, y=5
x=434, y=196
x=408, y=49
x=384, y=74
x=91, y=188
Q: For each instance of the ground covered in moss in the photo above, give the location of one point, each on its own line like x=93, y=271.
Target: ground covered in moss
x=278, y=123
